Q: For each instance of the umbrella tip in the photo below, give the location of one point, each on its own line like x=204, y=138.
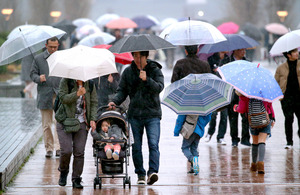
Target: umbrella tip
x=258, y=65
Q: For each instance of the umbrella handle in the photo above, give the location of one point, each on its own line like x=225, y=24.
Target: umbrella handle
x=258, y=65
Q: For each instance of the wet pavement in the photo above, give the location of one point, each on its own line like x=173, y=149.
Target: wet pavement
x=223, y=169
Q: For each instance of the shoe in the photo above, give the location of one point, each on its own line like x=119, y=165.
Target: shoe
x=49, y=154
x=207, y=138
x=63, y=179
x=141, y=180
x=235, y=144
x=195, y=165
x=191, y=170
x=246, y=143
x=108, y=154
x=152, y=178
x=221, y=141
x=77, y=183
x=57, y=153
x=115, y=155
x=260, y=167
x=288, y=146
x=253, y=167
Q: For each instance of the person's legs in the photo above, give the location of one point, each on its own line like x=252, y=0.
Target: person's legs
x=245, y=131
x=47, y=116
x=194, y=145
x=297, y=113
x=233, y=122
x=137, y=155
x=55, y=136
x=222, y=124
x=287, y=109
x=212, y=123
x=261, y=151
x=66, y=143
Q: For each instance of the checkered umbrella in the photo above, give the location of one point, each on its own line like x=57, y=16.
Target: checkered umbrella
x=198, y=94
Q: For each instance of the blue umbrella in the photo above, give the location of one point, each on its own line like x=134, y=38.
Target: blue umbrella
x=251, y=80
x=233, y=42
x=199, y=94
x=144, y=21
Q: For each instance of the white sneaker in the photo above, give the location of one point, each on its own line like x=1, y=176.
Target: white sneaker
x=288, y=147
x=221, y=141
x=196, y=165
x=207, y=138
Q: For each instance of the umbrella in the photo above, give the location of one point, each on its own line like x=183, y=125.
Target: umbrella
x=229, y=28
x=252, y=31
x=143, y=42
x=233, y=42
x=16, y=30
x=276, y=28
x=26, y=42
x=105, y=18
x=251, y=80
x=80, y=22
x=122, y=58
x=197, y=94
x=81, y=63
x=144, y=21
x=287, y=42
x=86, y=30
x=121, y=23
x=65, y=25
x=167, y=22
x=97, y=39
x=191, y=32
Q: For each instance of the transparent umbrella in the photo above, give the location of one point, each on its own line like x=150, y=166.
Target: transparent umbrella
x=97, y=39
x=16, y=30
x=26, y=42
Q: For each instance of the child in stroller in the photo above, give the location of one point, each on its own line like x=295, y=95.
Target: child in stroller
x=111, y=147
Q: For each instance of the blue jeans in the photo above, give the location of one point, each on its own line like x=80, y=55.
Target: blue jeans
x=152, y=126
x=190, y=146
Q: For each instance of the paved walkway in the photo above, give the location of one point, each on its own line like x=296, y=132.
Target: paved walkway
x=223, y=169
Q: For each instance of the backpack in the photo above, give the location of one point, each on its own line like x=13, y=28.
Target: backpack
x=258, y=117
x=189, y=126
x=70, y=87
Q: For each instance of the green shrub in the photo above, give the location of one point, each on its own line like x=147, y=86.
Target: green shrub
x=3, y=36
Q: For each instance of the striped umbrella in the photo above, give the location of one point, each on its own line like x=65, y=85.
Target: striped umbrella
x=198, y=94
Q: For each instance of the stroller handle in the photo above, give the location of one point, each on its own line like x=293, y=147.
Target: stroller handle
x=102, y=108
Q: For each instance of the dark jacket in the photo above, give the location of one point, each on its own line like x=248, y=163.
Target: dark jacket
x=144, y=95
x=113, y=131
x=191, y=64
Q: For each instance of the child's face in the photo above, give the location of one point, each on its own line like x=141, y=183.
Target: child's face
x=104, y=126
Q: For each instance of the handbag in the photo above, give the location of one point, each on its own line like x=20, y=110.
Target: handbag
x=60, y=114
x=189, y=126
x=71, y=125
x=258, y=117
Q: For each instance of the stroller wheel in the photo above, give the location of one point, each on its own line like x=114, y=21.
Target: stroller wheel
x=96, y=181
x=100, y=183
x=124, y=182
x=129, y=183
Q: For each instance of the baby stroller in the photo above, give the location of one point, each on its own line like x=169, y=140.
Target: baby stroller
x=112, y=168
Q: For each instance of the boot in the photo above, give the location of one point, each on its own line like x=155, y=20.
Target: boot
x=77, y=183
x=260, y=167
x=253, y=167
x=63, y=179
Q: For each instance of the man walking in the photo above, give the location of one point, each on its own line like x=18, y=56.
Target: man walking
x=47, y=89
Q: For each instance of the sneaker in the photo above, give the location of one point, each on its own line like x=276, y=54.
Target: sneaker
x=235, y=144
x=288, y=146
x=191, y=170
x=115, y=155
x=221, y=141
x=195, y=165
x=49, y=154
x=152, y=178
x=141, y=180
x=77, y=183
x=207, y=138
x=108, y=154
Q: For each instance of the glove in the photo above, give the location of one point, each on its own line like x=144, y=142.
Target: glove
x=235, y=108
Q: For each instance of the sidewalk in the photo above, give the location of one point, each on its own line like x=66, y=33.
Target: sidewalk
x=223, y=169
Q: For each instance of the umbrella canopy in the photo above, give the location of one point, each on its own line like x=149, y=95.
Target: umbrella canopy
x=97, y=39
x=144, y=21
x=26, y=42
x=191, y=32
x=105, y=18
x=233, y=42
x=287, y=42
x=16, y=30
x=80, y=22
x=143, y=42
x=229, y=28
x=276, y=28
x=86, y=30
x=65, y=25
x=121, y=23
x=199, y=94
x=251, y=80
x=252, y=31
x=122, y=58
x=81, y=63
x=167, y=22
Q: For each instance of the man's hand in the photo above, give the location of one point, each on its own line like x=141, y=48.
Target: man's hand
x=93, y=125
x=42, y=78
x=143, y=75
x=111, y=106
x=81, y=91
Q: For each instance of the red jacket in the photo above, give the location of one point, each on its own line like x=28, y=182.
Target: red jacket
x=244, y=105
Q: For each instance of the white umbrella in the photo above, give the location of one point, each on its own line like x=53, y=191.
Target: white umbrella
x=26, y=42
x=167, y=22
x=86, y=30
x=191, y=32
x=16, y=30
x=287, y=42
x=80, y=22
x=81, y=63
x=99, y=38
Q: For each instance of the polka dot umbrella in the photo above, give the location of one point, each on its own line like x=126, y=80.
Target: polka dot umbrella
x=251, y=80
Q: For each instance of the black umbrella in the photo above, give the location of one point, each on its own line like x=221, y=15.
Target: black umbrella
x=252, y=31
x=143, y=42
x=65, y=25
